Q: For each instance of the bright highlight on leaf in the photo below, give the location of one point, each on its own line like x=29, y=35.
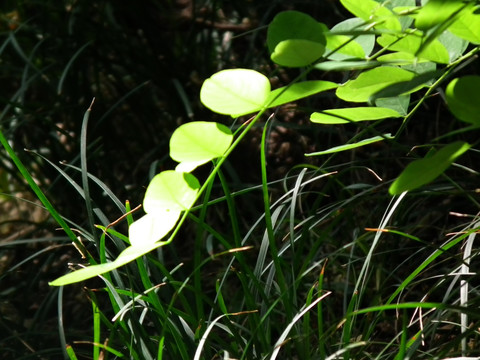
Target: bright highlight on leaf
x=152, y=227
x=171, y=190
x=342, y=116
x=463, y=98
x=423, y=171
x=235, y=92
x=197, y=143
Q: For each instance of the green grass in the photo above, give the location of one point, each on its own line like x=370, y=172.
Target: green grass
x=320, y=263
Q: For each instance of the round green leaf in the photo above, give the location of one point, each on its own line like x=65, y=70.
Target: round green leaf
x=462, y=98
x=235, y=92
x=152, y=227
x=297, y=52
x=290, y=25
x=199, y=142
x=423, y=171
x=171, y=190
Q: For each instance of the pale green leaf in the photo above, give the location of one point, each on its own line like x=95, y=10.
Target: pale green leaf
x=296, y=91
x=152, y=227
x=463, y=98
x=297, y=52
x=352, y=146
x=424, y=171
x=342, y=116
x=129, y=254
x=372, y=11
x=372, y=81
x=171, y=190
x=197, y=143
x=235, y=91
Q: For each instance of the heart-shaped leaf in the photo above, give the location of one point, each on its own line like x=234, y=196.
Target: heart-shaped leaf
x=235, y=92
x=197, y=143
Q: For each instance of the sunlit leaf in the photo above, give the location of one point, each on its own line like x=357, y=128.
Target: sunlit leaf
x=129, y=254
x=372, y=11
x=290, y=25
x=197, y=143
x=344, y=47
x=342, y=116
x=467, y=26
x=352, y=146
x=357, y=46
x=372, y=81
x=297, y=52
x=152, y=227
x=424, y=171
x=235, y=91
x=171, y=190
x=345, y=65
x=297, y=91
x=463, y=98
x=404, y=87
x=435, y=12
x=411, y=43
